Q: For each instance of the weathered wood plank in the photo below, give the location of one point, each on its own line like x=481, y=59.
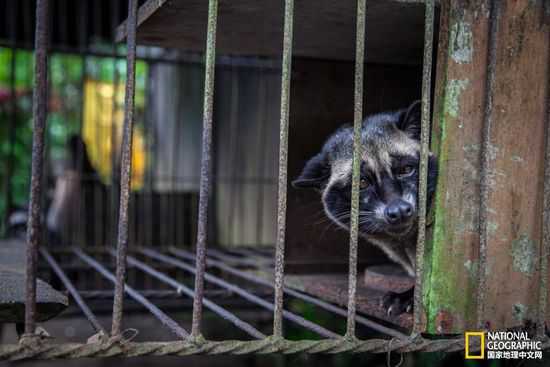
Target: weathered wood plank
x=515, y=169
x=323, y=29
x=49, y=302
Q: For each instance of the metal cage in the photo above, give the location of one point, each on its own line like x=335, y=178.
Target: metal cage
x=115, y=343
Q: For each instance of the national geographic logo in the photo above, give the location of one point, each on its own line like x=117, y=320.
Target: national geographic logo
x=501, y=345
x=474, y=338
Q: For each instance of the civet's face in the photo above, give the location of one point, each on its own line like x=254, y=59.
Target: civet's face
x=389, y=174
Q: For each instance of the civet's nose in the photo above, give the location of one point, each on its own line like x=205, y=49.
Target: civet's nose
x=398, y=211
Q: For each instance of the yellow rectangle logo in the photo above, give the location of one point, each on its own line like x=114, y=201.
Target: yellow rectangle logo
x=474, y=334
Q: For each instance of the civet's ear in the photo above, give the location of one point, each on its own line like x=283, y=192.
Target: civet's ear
x=410, y=120
x=315, y=173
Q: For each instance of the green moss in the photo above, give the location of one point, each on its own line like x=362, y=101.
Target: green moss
x=441, y=279
x=524, y=254
x=454, y=89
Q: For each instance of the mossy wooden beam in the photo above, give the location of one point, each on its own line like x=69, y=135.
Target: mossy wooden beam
x=514, y=172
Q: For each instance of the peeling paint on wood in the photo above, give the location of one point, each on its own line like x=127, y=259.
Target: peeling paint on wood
x=524, y=255
x=461, y=42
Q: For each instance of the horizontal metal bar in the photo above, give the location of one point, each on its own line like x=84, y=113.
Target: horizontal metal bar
x=241, y=292
x=317, y=302
x=151, y=294
x=158, y=313
x=72, y=290
x=183, y=289
x=49, y=350
x=255, y=261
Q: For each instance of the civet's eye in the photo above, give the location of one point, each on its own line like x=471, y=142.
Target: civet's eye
x=363, y=184
x=405, y=171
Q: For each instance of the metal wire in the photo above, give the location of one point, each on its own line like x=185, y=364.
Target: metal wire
x=418, y=325
x=283, y=168
x=241, y=292
x=155, y=311
x=34, y=227
x=486, y=160
x=72, y=290
x=181, y=288
x=206, y=172
x=125, y=169
x=357, y=158
x=113, y=348
x=317, y=302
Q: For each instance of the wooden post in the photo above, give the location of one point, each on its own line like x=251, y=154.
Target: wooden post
x=516, y=143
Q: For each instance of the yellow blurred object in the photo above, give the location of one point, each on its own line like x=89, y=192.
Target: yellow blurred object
x=101, y=123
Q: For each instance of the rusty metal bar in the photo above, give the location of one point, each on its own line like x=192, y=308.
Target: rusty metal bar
x=241, y=292
x=545, y=247
x=125, y=169
x=304, y=297
x=72, y=290
x=255, y=262
x=40, y=102
x=418, y=325
x=357, y=153
x=151, y=294
x=206, y=174
x=485, y=161
x=183, y=289
x=283, y=169
x=155, y=311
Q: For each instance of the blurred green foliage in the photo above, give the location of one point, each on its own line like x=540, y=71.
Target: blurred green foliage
x=66, y=78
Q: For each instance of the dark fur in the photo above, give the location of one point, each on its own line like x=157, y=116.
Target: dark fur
x=389, y=170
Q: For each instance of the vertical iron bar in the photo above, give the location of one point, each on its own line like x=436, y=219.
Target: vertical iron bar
x=125, y=169
x=40, y=102
x=423, y=172
x=357, y=157
x=283, y=167
x=545, y=250
x=485, y=161
x=206, y=173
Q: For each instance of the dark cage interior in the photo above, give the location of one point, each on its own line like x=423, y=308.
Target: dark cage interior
x=161, y=182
